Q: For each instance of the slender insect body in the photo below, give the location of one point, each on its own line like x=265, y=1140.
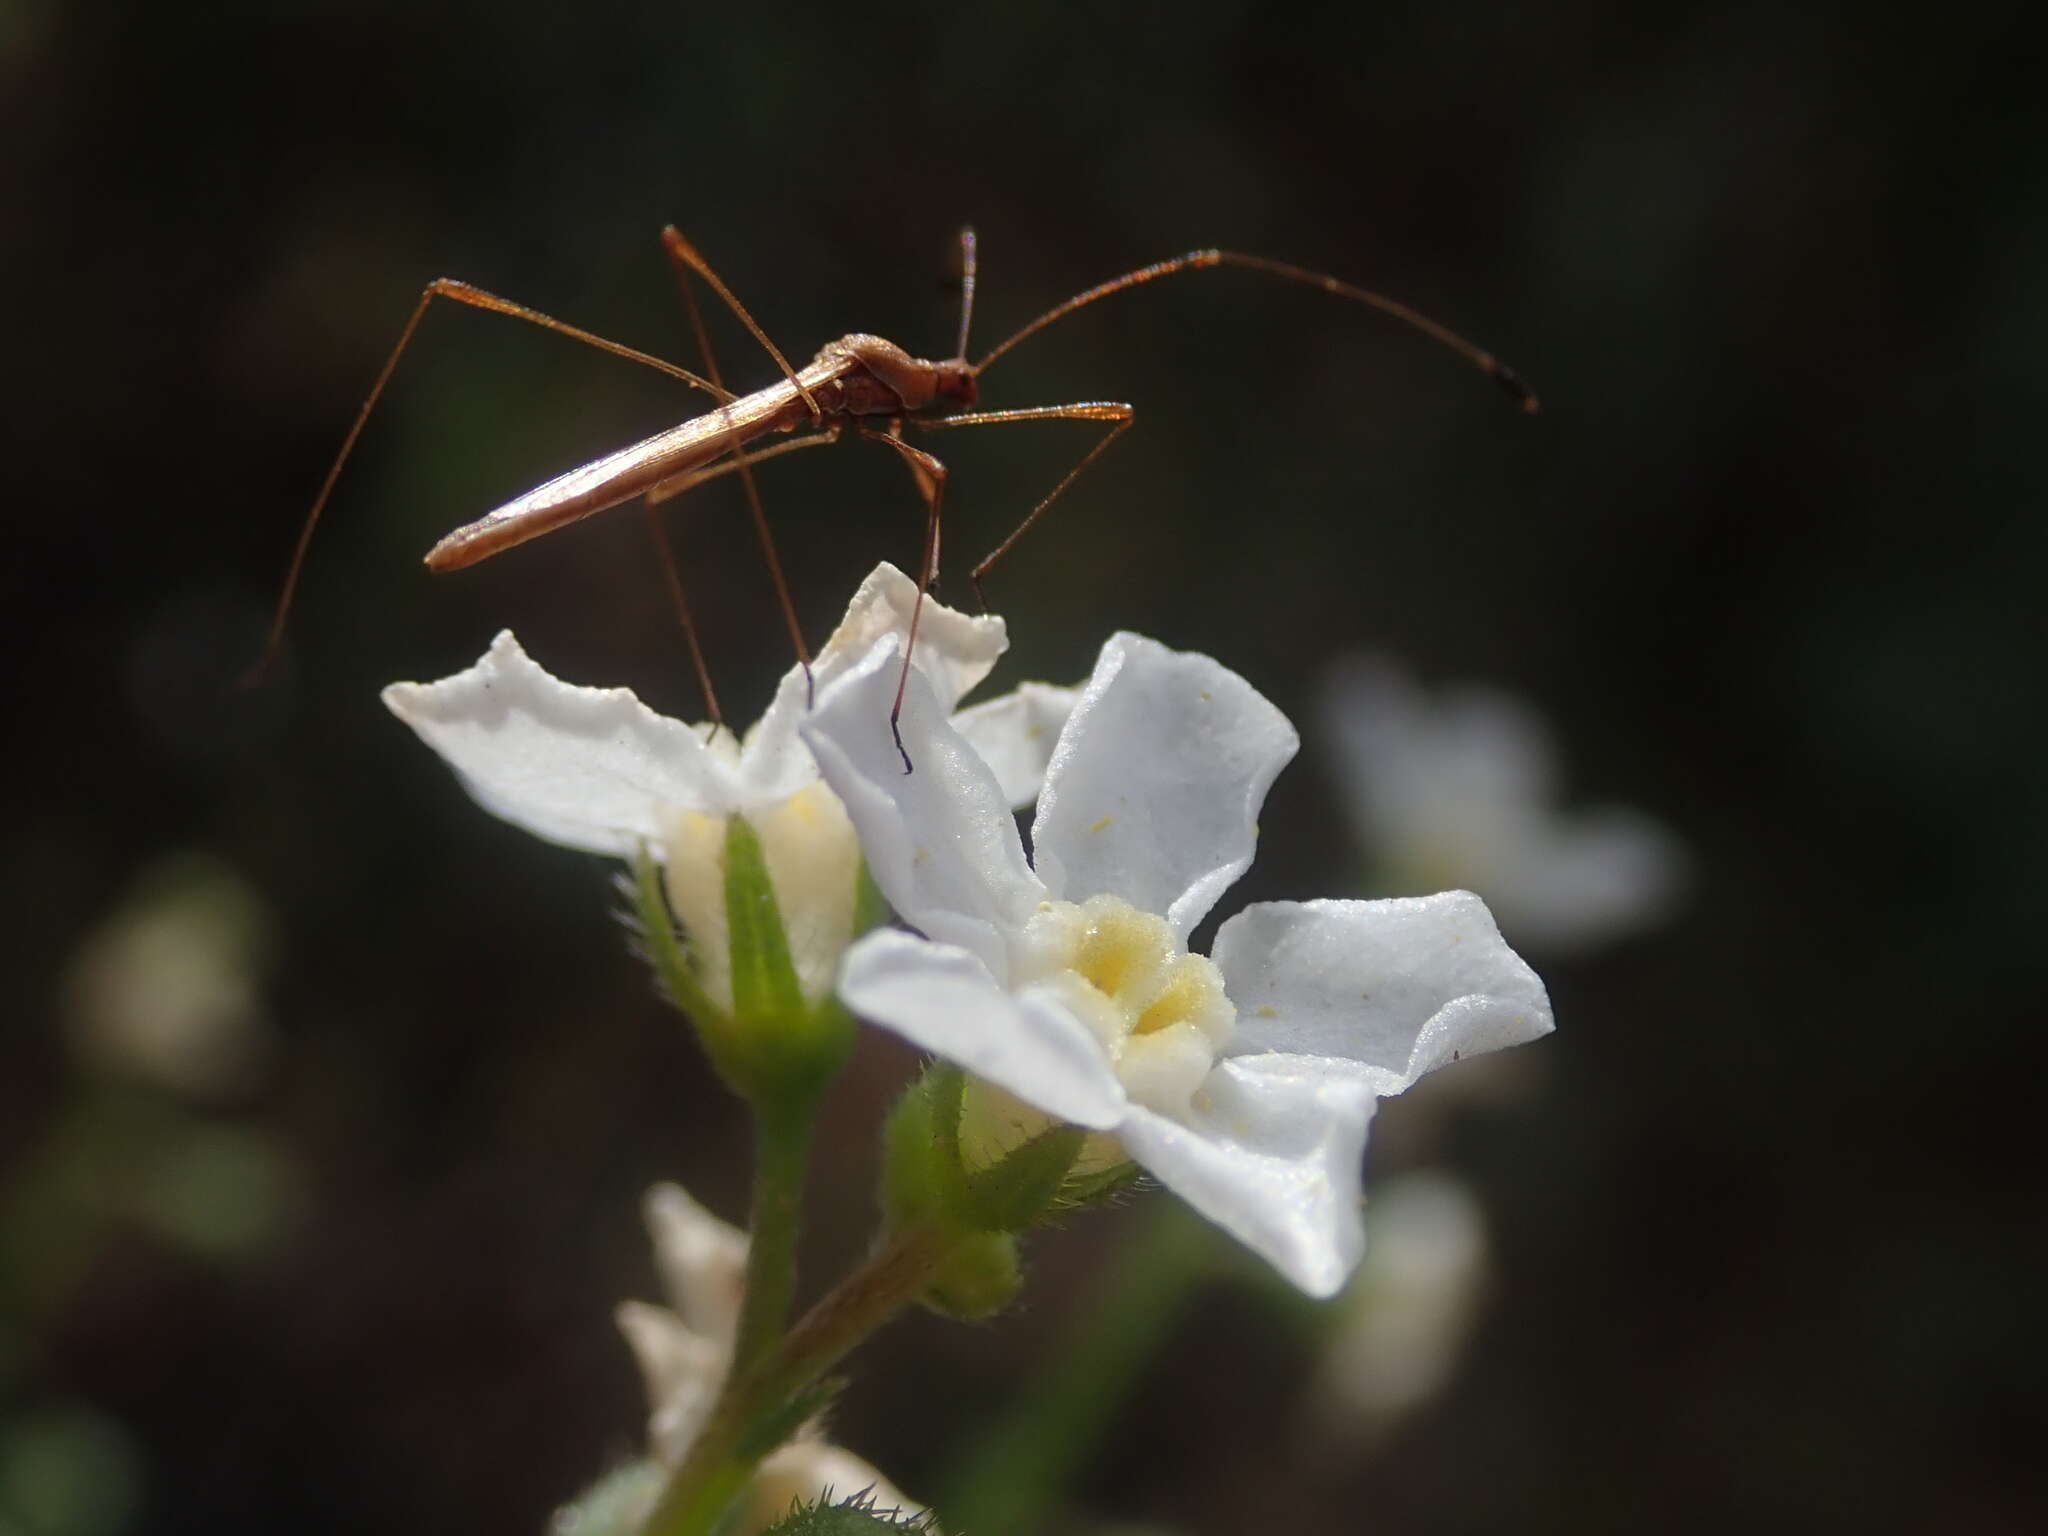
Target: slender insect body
x=616, y=478
x=857, y=378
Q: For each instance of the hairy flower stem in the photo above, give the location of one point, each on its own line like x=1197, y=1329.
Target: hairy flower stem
x=782, y=1144
x=744, y=1426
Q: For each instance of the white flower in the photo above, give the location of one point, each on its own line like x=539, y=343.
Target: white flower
x=1244, y=1082
x=1408, y=1311
x=168, y=986
x=684, y=1350
x=594, y=768
x=1461, y=789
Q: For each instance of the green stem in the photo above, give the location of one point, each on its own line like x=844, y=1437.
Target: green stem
x=730, y=1446
x=782, y=1143
x=1014, y=1476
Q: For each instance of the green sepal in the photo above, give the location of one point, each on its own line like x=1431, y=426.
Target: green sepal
x=655, y=931
x=926, y=1181
x=765, y=989
x=1103, y=1184
x=787, y=1047
x=1023, y=1187
x=918, y=1168
x=856, y=1516
x=981, y=1277
x=773, y=1046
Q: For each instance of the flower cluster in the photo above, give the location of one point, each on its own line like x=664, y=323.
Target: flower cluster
x=1083, y=1037
x=685, y=1349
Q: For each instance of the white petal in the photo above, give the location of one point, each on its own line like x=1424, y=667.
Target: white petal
x=1016, y=733
x=682, y=1370
x=1583, y=880
x=943, y=999
x=1270, y=1153
x=1405, y=1319
x=1411, y=756
x=1402, y=986
x=954, y=650
x=774, y=763
x=1154, y=789
x=940, y=840
x=703, y=1261
x=590, y=768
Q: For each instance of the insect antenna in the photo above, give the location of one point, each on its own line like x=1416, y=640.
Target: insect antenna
x=966, y=287
x=1501, y=374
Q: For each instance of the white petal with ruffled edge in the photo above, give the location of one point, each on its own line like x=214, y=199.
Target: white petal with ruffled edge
x=1270, y=1153
x=1015, y=735
x=1401, y=986
x=1335, y=1002
x=1153, y=792
x=954, y=649
x=960, y=876
x=590, y=768
x=942, y=999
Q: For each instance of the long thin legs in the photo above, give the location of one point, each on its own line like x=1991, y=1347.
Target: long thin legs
x=687, y=255
x=1120, y=416
x=689, y=480
x=684, y=259
x=931, y=476
x=1193, y=261
x=672, y=576
x=477, y=298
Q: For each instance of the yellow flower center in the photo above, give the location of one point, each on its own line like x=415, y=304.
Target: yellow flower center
x=1160, y=1013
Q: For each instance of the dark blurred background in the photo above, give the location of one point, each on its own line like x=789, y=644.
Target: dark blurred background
x=1766, y=1243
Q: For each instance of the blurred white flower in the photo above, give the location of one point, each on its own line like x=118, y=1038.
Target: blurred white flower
x=1243, y=1082
x=1459, y=789
x=166, y=987
x=685, y=1348
x=1406, y=1315
x=594, y=768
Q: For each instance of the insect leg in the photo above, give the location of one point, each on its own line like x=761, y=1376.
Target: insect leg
x=476, y=298
x=1118, y=415
x=684, y=259
x=672, y=575
x=689, y=480
x=687, y=255
x=668, y=490
x=930, y=475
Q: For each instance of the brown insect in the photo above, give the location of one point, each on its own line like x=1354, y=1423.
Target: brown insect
x=854, y=380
